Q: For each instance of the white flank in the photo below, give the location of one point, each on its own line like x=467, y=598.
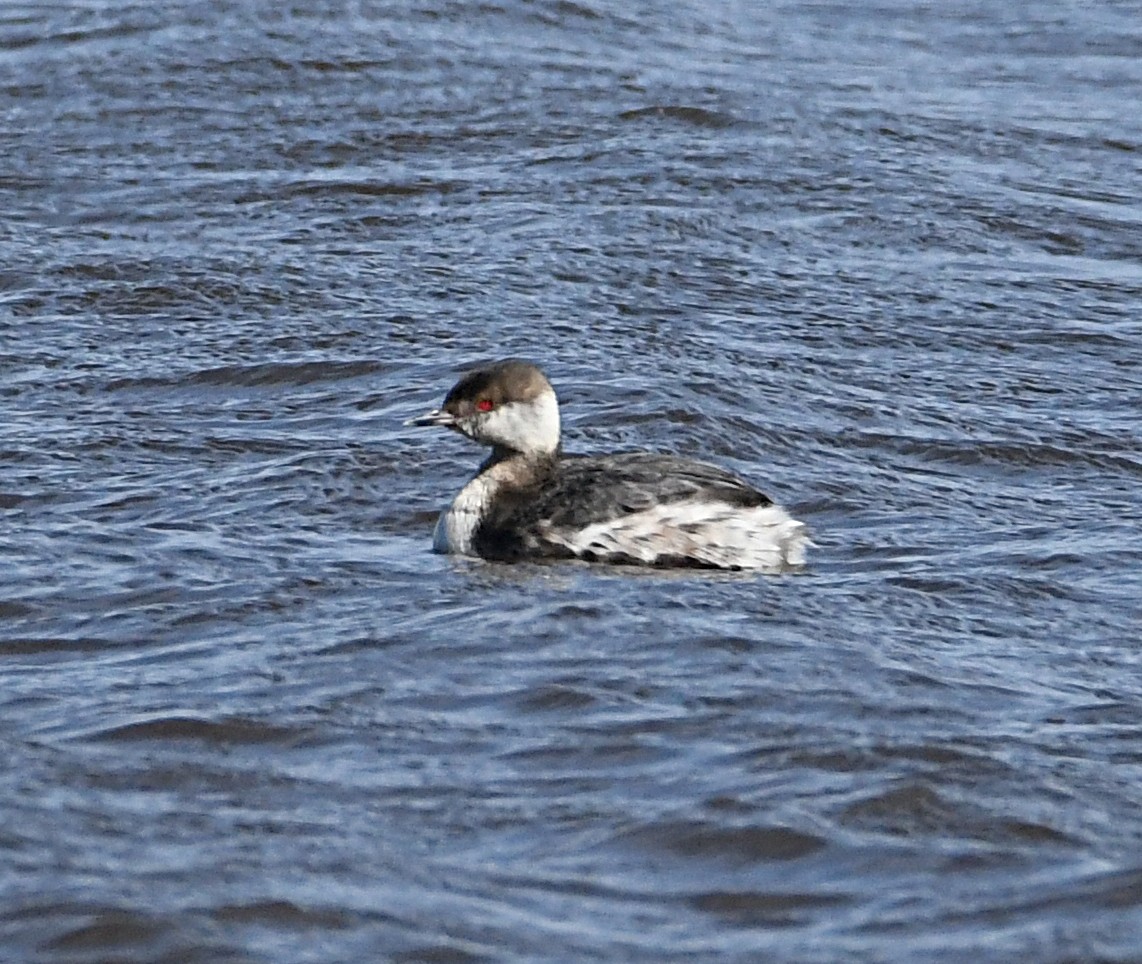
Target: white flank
x=713, y=534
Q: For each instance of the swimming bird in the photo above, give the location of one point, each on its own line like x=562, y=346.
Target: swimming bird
x=528, y=500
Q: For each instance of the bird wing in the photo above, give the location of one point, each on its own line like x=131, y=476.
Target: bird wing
x=588, y=490
x=584, y=491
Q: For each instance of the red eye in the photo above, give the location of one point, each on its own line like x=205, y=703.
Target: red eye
x=485, y=405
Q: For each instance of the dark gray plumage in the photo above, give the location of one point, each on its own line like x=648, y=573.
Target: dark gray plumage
x=572, y=492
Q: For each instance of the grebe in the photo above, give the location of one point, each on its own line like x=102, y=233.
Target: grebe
x=530, y=501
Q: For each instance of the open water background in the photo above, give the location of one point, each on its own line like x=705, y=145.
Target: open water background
x=884, y=259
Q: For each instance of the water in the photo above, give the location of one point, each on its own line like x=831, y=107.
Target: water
x=885, y=261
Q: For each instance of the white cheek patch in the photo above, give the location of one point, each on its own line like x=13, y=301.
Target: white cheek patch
x=531, y=427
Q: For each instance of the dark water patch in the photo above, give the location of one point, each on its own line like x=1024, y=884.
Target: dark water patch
x=367, y=189
x=285, y=914
x=694, y=116
x=556, y=698
x=40, y=646
x=293, y=373
x=761, y=909
x=80, y=930
x=1115, y=890
x=113, y=931
x=971, y=763
x=228, y=732
x=732, y=845
x=1112, y=713
x=917, y=809
x=1027, y=454
x=440, y=953
x=13, y=609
